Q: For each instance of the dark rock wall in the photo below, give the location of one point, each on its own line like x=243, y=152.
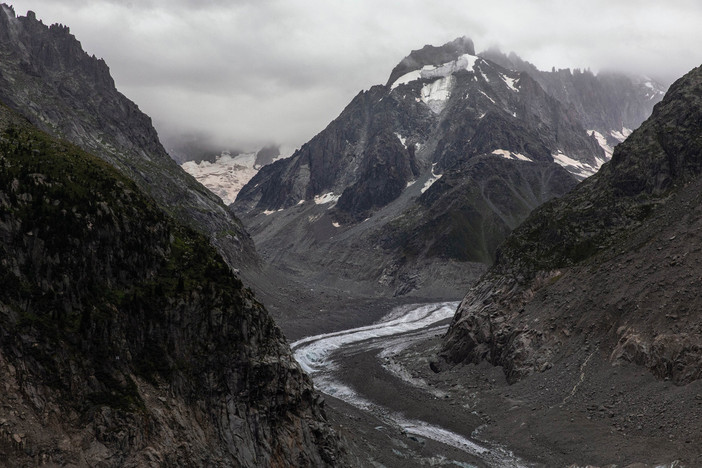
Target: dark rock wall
x=125, y=331
x=47, y=77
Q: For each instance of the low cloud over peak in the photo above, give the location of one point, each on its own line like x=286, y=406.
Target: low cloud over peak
x=245, y=73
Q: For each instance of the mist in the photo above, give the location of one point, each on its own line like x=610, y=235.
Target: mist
x=244, y=74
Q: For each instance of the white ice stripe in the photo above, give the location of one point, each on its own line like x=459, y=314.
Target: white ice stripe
x=313, y=355
x=483, y=93
x=269, y=212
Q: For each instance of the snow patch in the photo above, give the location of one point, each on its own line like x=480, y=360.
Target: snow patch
x=622, y=134
x=602, y=141
x=573, y=166
x=511, y=155
x=402, y=139
x=436, y=94
x=329, y=197
x=464, y=62
x=432, y=179
x=510, y=82
x=491, y=99
x=269, y=212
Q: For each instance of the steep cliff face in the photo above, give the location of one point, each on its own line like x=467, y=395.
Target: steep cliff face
x=47, y=77
x=614, y=263
x=125, y=339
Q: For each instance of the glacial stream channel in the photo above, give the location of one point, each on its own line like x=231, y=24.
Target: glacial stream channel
x=320, y=356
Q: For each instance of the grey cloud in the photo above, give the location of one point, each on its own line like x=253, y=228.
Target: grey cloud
x=249, y=72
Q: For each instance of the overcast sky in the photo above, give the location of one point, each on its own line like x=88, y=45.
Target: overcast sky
x=249, y=72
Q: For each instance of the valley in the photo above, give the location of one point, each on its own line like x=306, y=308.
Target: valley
x=477, y=263
x=386, y=399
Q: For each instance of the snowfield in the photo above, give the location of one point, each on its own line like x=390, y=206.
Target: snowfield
x=226, y=176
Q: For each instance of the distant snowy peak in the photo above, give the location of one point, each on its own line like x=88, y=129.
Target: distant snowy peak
x=228, y=173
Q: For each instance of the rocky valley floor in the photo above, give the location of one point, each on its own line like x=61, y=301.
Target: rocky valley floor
x=583, y=411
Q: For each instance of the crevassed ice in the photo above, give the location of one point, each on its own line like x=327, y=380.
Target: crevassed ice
x=464, y=62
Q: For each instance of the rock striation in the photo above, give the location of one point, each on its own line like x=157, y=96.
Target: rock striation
x=613, y=265
x=125, y=338
x=46, y=76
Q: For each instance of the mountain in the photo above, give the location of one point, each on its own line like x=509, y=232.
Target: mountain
x=125, y=339
x=613, y=266
x=225, y=174
x=46, y=76
x=608, y=104
x=428, y=172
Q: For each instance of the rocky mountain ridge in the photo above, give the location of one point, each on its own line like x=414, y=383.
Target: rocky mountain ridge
x=46, y=76
x=125, y=339
x=613, y=264
x=608, y=104
x=434, y=167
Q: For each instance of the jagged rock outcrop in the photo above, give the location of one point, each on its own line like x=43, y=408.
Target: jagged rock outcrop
x=125, y=339
x=47, y=77
x=610, y=104
x=613, y=264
